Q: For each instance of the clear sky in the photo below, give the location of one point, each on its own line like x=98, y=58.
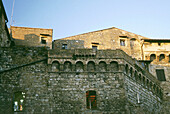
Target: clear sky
x=149, y=18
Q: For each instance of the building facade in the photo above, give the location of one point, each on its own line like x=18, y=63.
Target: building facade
x=5, y=40
x=32, y=37
x=106, y=71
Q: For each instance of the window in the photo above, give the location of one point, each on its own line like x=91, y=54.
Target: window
x=152, y=57
x=114, y=66
x=126, y=69
x=43, y=40
x=64, y=46
x=91, y=66
x=94, y=48
x=122, y=42
x=159, y=44
x=102, y=66
x=55, y=66
x=160, y=74
x=91, y=99
x=161, y=57
x=79, y=67
x=19, y=98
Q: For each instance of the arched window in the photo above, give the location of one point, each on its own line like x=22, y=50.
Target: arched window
x=131, y=72
x=79, y=67
x=161, y=57
x=150, y=85
x=152, y=57
x=102, y=66
x=19, y=101
x=154, y=88
x=67, y=66
x=114, y=66
x=91, y=66
x=55, y=66
x=91, y=99
x=140, y=77
x=126, y=69
x=147, y=83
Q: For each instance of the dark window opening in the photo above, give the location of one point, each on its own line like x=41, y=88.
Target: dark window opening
x=94, y=47
x=152, y=57
x=126, y=69
x=160, y=74
x=43, y=41
x=161, y=57
x=91, y=100
x=122, y=42
x=19, y=98
x=159, y=44
x=64, y=46
x=91, y=66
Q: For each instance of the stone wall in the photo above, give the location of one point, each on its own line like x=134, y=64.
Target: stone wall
x=111, y=39
x=34, y=37
x=4, y=34
x=164, y=84
x=68, y=44
x=60, y=84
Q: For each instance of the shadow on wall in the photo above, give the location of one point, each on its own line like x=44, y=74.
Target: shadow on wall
x=29, y=40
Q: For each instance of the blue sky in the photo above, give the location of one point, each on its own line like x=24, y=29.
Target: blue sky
x=149, y=18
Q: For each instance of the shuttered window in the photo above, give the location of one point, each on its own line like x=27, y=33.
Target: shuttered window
x=160, y=74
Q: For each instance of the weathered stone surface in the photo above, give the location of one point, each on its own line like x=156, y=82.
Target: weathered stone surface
x=60, y=91
x=34, y=37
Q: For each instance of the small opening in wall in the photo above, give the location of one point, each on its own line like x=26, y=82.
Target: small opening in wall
x=159, y=44
x=160, y=74
x=64, y=46
x=43, y=40
x=122, y=42
x=161, y=57
x=94, y=48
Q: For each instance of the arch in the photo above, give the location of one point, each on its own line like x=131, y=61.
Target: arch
x=55, y=66
x=114, y=66
x=152, y=57
x=147, y=83
x=91, y=99
x=131, y=72
x=91, y=66
x=102, y=66
x=136, y=75
x=150, y=85
x=67, y=66
x=154, y=88
x=126, y=69
x=79, y=66
x=161, y=57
